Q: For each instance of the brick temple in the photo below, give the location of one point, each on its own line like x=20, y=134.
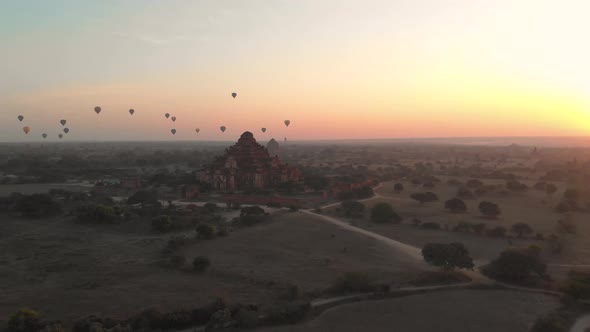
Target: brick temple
x=247, y=165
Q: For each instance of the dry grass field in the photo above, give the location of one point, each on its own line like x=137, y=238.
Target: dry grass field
x=67, y=270
x=464, y=310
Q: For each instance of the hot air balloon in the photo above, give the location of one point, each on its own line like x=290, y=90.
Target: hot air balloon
x=44, y=135
x=66, y=130
x=60, y=136
x=173, y=131
x=173, y=119
x=287, y=123
x=233, y=94
x=63, y=122
x=26, y=130
x=197, y=130
x=222, y=128
x=167, y=115
x=263, y=130
x=21, y=118
x=131, y=111
x=97, y=109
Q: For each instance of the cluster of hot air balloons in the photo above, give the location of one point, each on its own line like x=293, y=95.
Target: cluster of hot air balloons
x=98, y=110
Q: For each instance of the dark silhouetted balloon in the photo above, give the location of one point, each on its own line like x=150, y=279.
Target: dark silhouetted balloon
x=26, y=130
x=131, y=111
x=233, y=94
x=263, y=130
x=287, y=123
x=173, y=131
x=63, y=122
x=21, y=118
x=66, y=130
x=97, y=109
x=197, y=130
x=44, y=135
x=167, y=115
x=173, y=119
x=222, y=128
x=60, y=136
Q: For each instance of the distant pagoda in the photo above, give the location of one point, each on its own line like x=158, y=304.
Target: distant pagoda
x=247, y=165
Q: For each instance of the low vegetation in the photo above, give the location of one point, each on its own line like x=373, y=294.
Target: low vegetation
x=447, y=256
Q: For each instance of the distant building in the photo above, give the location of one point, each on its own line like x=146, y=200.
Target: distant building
x=247, y=165
x=273, y=147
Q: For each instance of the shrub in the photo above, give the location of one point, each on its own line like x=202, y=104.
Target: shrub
x=176, y=242
x=578, y=285
x=247, y=318
x=162, y=223
x=38, y=206
x=456, y=205
x=100, y=214
x=497, y=231
x=431, y=225
x=210, y=207
x=478, y=228
x=289, y=313
x=447, y=256
x=275, y=205
x=142, y=197
x=205, y=231
x=383, y=213
x=252, y=211
x=398, y=187
x=250, y=220
x=201, y=263
x=363, y=192
x=24, y=320
x=521, y=229
x=552, y=322
x=352, y=282
x=516, y=266
x=462, y=226
x=489, y=209
x=424, y=197
x=566, y=206
x=516, y=186
x=474, y=183
x=464, y=193
x=550, y=189
x=353, y=209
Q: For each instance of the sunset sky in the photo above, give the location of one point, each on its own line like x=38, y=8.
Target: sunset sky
x=335, y=68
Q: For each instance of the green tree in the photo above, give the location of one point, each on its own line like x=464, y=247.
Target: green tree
x=383, y=213
x=456, y=205
x=206, y=231
x=24, y=320
x=516, y=265
x=162, y=223
x=447, y=256
x=489, y=209
x=521, y=229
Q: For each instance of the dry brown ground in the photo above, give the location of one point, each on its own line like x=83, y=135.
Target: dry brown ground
x=67, y=270
x=458, y=310
x=534, y=208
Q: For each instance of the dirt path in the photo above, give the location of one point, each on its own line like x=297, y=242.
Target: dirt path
x=400, y=247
